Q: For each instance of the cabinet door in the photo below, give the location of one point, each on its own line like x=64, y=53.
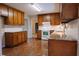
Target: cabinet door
x=19, y=18
x=22, y=20
x=8, y=39
x=40, y=19
x=55, y=19
x=69, y=11
x=39, y=34
x=15, y=39
x=19, y=37
x=52, y=17
x=23, y=37
x=15, y=17
x=10, y=17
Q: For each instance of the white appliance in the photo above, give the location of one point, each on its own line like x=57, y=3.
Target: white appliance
x=45, y=35
x=46, y=27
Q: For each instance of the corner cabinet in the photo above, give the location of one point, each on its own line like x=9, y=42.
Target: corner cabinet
x=69, y=11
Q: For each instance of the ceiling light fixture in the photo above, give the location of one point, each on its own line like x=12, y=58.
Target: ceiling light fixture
x=36, y=7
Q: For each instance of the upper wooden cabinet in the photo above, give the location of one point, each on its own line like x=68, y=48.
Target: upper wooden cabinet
x=13, y=16
x=69, y=11
x=40, y=19
x=3, y=10
x=10, y=19
x=78, y=10
x=55, y=19
x=22, y=18
x=19, y=18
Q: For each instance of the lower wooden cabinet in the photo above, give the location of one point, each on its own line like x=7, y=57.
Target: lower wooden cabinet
x=39, y=34
x=62, y=47
x=15, y=38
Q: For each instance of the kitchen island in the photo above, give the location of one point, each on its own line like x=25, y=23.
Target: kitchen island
x=62, y=46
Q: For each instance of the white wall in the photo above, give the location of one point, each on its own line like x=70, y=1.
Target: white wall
x=31, y=20
x=29, y=27
x=72, y=30
x=1, y=34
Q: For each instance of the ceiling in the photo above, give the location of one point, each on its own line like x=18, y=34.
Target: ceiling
x=29, y=10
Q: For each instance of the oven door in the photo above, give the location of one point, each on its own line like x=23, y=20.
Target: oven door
x=45, y=35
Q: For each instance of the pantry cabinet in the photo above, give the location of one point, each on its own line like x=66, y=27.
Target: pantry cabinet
x=15, y=38
x=69, y=11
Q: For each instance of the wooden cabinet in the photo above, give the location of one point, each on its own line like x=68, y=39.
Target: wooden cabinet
x=19, y=37
x=15, y=38
x=10, y=19
x=62, y=47
x=13, y=16
x=39, y=34
x=69, y=11
x=55, y=19
x=19, y=18
x=40, y=19
x=22, y=20
x=8, y=39
x=15, y=21
x=78, y=10
x=3, y=10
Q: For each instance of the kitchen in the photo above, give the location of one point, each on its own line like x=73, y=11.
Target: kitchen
x=56, y=28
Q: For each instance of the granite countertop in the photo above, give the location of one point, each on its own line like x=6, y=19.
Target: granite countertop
x=61, y=37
